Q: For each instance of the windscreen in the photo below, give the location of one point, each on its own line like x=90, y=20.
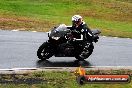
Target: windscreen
x=61, y=27
x=59, y=30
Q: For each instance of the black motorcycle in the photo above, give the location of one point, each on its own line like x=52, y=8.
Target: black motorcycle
x=62, y=43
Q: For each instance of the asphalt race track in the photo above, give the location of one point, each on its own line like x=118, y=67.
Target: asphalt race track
x=18, y=49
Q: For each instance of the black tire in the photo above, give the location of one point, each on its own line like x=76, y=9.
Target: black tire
x=45, y=51
x=81, y=80
x=86, y=52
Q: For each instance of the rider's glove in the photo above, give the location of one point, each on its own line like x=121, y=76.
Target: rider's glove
x=96, y=39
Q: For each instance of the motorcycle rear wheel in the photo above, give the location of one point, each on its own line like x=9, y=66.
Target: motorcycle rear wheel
x=45, y=51
x=86, y=52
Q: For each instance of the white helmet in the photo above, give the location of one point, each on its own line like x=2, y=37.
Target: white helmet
x=76, y=18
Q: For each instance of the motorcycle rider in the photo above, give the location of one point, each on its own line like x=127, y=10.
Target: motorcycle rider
x=82, y=30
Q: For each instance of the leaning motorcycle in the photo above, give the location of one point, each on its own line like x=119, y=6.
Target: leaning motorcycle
x=61, y=43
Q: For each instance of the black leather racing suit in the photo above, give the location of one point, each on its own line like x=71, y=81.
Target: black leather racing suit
x=84, y=30
x=88, y=36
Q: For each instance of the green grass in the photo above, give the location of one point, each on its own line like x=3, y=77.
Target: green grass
x=63, y=79
x=113, y=17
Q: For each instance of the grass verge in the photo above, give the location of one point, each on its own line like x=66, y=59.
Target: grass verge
x=60, y=79
x=113, y=17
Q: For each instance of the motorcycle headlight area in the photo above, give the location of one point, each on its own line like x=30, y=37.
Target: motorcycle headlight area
x=56, y=38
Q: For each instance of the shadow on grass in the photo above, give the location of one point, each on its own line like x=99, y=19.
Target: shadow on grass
x=16, y=79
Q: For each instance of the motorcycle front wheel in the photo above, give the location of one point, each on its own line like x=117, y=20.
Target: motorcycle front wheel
x=45, y=51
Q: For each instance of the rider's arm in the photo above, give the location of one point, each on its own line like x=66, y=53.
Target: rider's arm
x=69, y=27
x=87, y=33
x=80, y=38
